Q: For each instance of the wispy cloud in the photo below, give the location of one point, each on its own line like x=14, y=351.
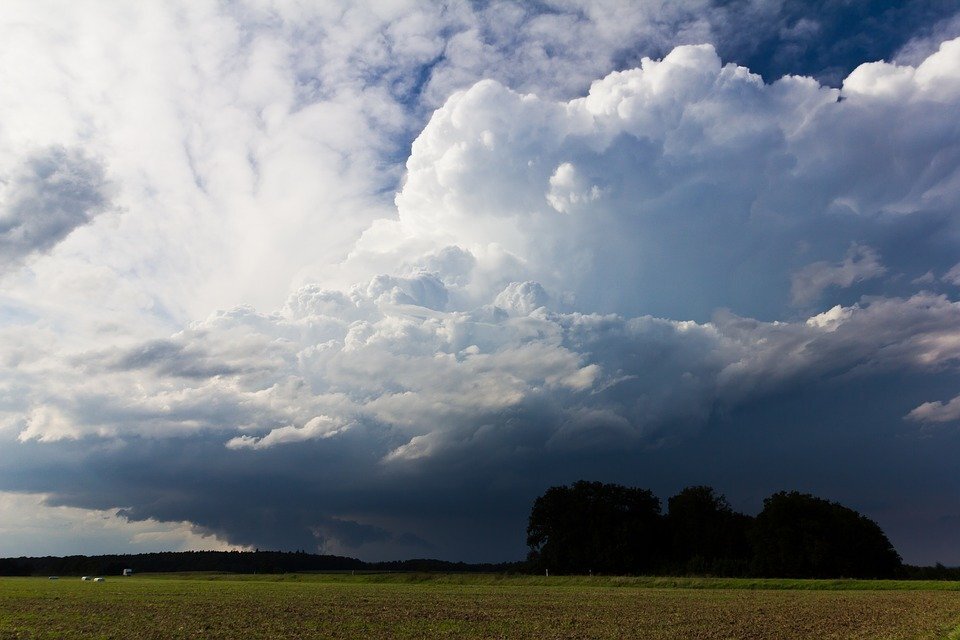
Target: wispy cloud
x=861, y=263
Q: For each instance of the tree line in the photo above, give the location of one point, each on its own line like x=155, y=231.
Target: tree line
x=592, y=527
x=231, y=562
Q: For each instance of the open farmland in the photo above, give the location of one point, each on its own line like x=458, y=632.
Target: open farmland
x=405, y=606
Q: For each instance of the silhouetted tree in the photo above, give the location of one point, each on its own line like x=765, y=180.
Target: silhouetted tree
x=800, y=536
x=591, y=526
x=705, y=534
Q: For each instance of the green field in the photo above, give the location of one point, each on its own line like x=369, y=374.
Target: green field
x=462, y=606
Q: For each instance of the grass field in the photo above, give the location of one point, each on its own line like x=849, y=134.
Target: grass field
x=462, y=606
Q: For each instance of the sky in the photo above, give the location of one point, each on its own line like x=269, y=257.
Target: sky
x=367, y=278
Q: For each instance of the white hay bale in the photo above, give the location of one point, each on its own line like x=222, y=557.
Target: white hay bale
x=85, y=578
x=98, y=579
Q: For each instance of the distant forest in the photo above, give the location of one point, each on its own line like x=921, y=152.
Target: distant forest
x=232, y=562
x=591, y=527
x=603, y=529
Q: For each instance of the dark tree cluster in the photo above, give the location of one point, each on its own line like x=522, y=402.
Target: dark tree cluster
x=592, y=527
x=598, y=527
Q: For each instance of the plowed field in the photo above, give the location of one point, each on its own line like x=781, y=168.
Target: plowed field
x=318, y=606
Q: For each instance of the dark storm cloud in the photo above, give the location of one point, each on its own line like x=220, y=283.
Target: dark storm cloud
x=51, y=194
x=471, y=502
x=290, y=498
x=402, y=473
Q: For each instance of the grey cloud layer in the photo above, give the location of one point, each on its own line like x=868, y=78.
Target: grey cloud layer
x=433, y=379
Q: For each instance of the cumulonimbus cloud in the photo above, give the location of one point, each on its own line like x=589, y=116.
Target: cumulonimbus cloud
x=554, y=279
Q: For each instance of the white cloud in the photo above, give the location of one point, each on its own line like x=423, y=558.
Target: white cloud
x=282, y=129
x=830, y=319
x=275, y=134
x=936, y=411
x=49, y=424
x=935, y=78
x=521, y=298
x=317, y=427
x=698, y=164
x=220, y=152
x=568, y=190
